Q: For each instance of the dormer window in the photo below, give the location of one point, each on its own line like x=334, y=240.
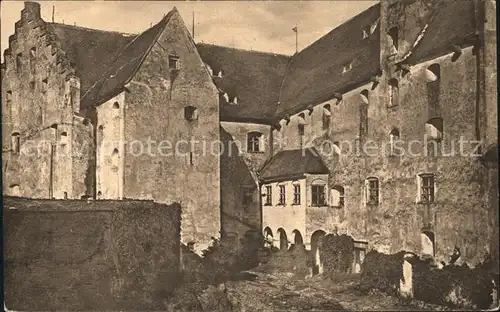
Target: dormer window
x=254, y=142
x=190, y=113
x=173, y=62
x=347, y=67
x=366, y=32
x=220, y=74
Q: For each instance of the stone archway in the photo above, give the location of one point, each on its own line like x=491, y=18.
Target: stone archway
x=297, y=238
x=268, y=236
x=427, y=243
x=283, y=239
x=315, y=237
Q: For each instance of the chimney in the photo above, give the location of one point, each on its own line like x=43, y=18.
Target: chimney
x=31, y=10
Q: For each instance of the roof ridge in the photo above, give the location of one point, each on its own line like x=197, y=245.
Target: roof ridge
x=93, y=29
x=338, y=26
x=244, y=50
x=106, y=73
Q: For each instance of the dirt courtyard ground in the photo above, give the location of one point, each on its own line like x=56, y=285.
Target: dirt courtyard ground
x=285, y=292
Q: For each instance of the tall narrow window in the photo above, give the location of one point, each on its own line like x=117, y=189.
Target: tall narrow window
x=296, y=194
x=269, y=195
x=373, y=191
x=433, y=77
x=282, y=195
x=426, y=188
x=115, y=159
x=32, y=59
x=73, y=96
x=363, y=121
x=393, y=92
x=394, y=137
x=327, y=113
x=173, y=62
x=337, y=196
x=32, y=86
x=394, y=36
x=16, y=142
x=45, y=84
x=19, y=62
x=254, y=142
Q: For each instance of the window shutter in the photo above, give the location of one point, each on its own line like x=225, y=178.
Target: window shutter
x=334, y=198
x=262, y=143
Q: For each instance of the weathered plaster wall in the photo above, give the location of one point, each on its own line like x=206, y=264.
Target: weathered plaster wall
x=238, y=171
x=39, y=91
x=113, y=255
x=154, y=111
x=289, y=217
x=457, y=217
x=110, y=148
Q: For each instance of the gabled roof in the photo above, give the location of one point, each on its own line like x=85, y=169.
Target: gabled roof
x=125, y=65
x=293, y=163
x=315, y=73
x=90, y=51
x=253, y=77
x=453, y=23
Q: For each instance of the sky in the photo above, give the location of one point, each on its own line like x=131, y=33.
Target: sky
x=262, y=26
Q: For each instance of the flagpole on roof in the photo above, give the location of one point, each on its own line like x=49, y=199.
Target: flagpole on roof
x=295, y=29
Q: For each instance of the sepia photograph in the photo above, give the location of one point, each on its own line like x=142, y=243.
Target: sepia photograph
x=247, y=156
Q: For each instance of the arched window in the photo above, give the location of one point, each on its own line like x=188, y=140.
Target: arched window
x=433, y=77
x=427, y=243
x=394, y=137
x=372, y=191
x=115, y=159
x=254, y=142
x=318, y=188
x=116, y=105
x=364, y=96
x=393, y=92
x=434, y=129
x=190, y=113
x=394, y=36
x=16, y=142
x=337, y=193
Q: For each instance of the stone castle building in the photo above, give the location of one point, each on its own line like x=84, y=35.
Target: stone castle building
x=411, y=79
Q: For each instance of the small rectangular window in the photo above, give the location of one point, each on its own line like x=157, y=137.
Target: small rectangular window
x=247, y=195
x=427, y=188
x=173, y=62
x=296, y=194
x=282, y=195
x=32, y=86
x=373, y=191
x=318, y=195
x=9, y=96
x=269, y=196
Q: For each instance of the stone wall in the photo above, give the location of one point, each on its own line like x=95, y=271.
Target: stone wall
x=162, y=164
x=79, y=255
x=396, y=223
x=40, y=95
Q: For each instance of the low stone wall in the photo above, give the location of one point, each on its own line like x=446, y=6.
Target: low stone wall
x=407, y=275
x=96, y=255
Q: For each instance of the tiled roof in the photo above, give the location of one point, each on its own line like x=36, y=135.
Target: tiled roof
x=293, y=162
x=315, y=73
x=90, y=51
x=453, y=23
x=124, y=65
x=253, y=77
